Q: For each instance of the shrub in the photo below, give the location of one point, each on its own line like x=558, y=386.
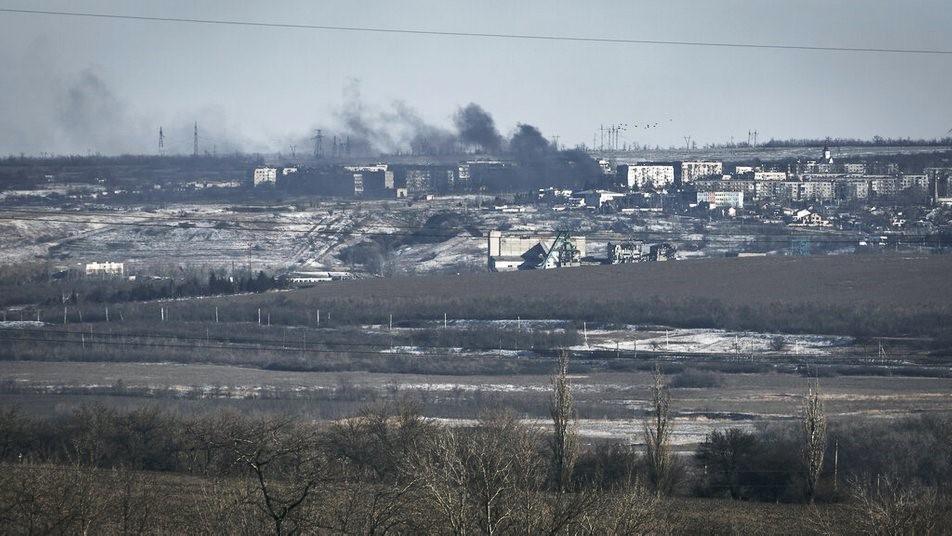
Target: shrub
x=696, y=379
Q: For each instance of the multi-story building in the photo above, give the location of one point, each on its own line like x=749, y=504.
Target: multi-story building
x=722, y=199
x=264, y=175
x=691, y=171
x=770, y=175
x=647, y=175
x=883, y=185
x=920, y=181
x=419, y=181
x=854, y=168
x=747, y=186
x=852, y=189
x=820, y=191
x=741, y=170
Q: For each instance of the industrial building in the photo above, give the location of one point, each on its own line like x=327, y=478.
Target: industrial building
x=105, y=268
x=510, y=251
x=940, y=184
x=626, y=252
x=597, y=198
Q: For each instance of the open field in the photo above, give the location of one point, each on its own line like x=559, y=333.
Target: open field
x=873, y=296
x=611, y=404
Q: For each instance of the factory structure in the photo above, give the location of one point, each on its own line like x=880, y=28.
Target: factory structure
x=524, y=251
x=510, y=251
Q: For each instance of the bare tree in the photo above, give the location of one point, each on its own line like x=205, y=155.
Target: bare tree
x=564, y=440
x=814, y=439
x=630, y=511
x=886, y=506
x=657, y=428
x=379, y=438
x=492, y=480
x=442, y=470
x=285, y=467
x=51, y=499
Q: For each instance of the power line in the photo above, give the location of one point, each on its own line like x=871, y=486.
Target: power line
x=492, y=35
x=55, y=336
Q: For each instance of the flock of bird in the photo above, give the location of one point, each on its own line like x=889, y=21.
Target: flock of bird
x=648, y=125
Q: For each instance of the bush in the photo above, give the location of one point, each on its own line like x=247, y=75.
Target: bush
x=696, y=379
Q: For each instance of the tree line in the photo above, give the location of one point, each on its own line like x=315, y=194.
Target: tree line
x=389, y=470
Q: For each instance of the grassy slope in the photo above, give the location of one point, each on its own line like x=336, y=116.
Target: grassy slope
x=874, y=280
x=870, y=295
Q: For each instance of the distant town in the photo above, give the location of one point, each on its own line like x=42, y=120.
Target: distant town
x=545, y=209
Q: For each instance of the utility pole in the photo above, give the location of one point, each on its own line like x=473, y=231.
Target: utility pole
x=836, y=463
x=318, y=139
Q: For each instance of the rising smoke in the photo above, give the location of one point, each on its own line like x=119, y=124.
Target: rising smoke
x=69, y=112
x=90, y=114
x=477, y=128
x=528, y=144
x=50, y=107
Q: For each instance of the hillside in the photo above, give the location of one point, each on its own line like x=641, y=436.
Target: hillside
x=888, y=281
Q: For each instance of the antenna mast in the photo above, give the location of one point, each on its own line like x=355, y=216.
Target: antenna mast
x=195, y=140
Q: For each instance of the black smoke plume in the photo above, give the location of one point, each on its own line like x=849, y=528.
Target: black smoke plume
x=476, y=127
x=528, y=145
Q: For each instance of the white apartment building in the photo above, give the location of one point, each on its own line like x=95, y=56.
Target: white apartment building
x=650, y=175
x=698, y=169
x=265, y=175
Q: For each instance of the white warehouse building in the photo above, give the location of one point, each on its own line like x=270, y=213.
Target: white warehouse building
x=105, y=268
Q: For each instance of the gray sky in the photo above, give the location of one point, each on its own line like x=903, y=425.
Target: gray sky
x=74, y=85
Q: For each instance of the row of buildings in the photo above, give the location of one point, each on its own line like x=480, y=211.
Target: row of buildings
x=662, y=176
x=510, y=251
x=820, y=181
x=386, y=180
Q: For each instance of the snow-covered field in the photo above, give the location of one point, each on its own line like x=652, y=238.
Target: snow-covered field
x=318, y=235
x=686, y=430
x=713, y=341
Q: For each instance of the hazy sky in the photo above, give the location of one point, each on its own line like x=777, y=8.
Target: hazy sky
x=78, y=85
